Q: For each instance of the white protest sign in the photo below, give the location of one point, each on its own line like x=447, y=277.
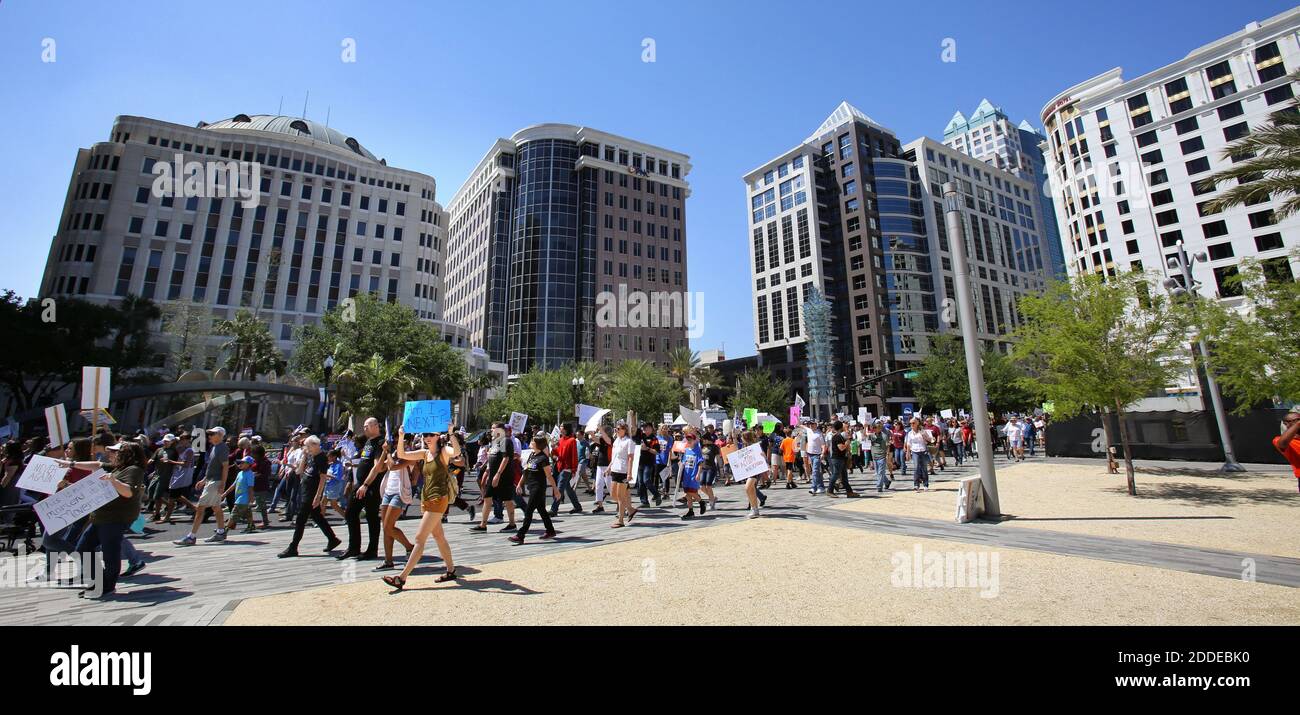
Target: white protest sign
x=863, y=415
x=56, y=423
x=668, y=418
x=59, y=510
x=42, y=475
x=946, y=414
x=748, y=462
x=586, y=412
x=518, y=421
x=593, y=422
x=555, y=435
x=94, y=387
x=691, y=417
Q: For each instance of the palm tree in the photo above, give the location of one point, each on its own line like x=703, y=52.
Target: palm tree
x=374, y=388
x=132, y=320
x=681, y=363
x=251, y=350
x=1267, y=164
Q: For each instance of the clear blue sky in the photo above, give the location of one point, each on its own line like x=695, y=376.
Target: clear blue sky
x=435, y=83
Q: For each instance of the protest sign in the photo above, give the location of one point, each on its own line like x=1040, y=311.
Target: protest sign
x=748, y=462
x=95, y=383
x=427, y=416
x=518, y=421
x=59, y=510
x=593, y=420
x=42, y=475
x=691, y=417
x=586, y=412
x=751, y=416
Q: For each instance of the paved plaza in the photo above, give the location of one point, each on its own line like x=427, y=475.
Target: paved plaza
x=802, y=545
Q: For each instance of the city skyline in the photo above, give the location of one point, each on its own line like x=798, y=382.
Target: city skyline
x=912, y=90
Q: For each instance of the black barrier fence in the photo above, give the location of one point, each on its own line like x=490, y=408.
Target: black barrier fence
x=1187, y=436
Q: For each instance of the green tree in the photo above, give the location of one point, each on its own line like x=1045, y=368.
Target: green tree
x=374, y=388
x=186, y=325
x=250, y=350
x=1102, y=342
x=757, y=388
x=49, y=344
x=643, y=388
x=1265, y=164
x=940, y=380
x=363, y=326
x=681, y=364
x=1009, y=388
x=1255, y=349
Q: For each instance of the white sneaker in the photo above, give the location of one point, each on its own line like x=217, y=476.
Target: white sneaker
x=216, y=538
x=494, y=520
x=753, y=513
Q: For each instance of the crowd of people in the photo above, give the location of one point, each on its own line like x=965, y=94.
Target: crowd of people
x=240, y=480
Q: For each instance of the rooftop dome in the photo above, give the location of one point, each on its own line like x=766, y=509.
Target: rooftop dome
x=293, y=126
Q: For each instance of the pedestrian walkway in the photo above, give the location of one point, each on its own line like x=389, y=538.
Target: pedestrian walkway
x=200, y=585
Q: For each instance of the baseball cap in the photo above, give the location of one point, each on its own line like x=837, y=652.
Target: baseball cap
x=219, y=430
x=248, y=460
x=169, y=437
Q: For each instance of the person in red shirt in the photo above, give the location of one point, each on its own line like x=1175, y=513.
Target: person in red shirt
x=1288, y=444
x=566, y=463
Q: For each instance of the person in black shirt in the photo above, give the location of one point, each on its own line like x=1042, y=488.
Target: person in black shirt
x=649, y=451
x=839, y=461
x=312, y=495
x=537, y=477
x=367, y=495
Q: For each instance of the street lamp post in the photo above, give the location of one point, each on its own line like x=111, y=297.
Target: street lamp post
x=328, y=369
x=577, y=383
x=952, y=202
x=1183, y=263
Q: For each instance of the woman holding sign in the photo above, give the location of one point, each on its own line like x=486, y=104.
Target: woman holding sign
x=108, y=523
x=439, y=490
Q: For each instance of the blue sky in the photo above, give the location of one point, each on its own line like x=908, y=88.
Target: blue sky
x=733, y=84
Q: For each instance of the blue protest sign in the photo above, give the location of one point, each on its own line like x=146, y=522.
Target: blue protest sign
x=424, y=416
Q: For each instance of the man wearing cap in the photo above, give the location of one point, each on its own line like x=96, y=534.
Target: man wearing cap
x=214, y=487
x=164, y=462
x=367, y=495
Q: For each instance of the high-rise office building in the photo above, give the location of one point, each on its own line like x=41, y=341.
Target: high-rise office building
x=1128, y=159
x=323, y=219
x=990, y=135
x=555, y=223
x=854, y=213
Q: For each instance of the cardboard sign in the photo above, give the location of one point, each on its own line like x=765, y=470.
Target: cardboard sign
x=42, y=475
x=726, y=453
x=95, y=383
x=63, y=508
x=426, y=416
x=518, y=421
x=748, y=462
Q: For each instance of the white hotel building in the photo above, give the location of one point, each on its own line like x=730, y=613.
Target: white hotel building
x=1127, y=159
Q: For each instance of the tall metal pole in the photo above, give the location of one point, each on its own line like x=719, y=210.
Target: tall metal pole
x=1229, y=457
x=952, y=203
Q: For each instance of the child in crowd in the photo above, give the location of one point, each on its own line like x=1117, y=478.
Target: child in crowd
x=334, y=482
x=242, y=487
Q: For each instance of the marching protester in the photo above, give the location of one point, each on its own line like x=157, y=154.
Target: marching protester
x=536, y=480
x=214, y=489
x=877, y=447
x=438, y=491
x=598, y=451
x=496, y=482
x=366, y=497
x=1287, y=444
x=691, y=461
x=566, y=461
x=109, y=523
x=918, y=443
x=396, y=496
x=312, y=495
x=620, y=461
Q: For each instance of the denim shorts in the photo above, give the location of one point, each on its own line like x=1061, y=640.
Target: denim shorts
x=707, y=477
x=394, y=500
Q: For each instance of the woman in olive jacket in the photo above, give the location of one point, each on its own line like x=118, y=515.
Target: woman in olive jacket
x=108, y=524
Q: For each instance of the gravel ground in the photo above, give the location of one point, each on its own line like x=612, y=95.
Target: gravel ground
x=1252, y=512
x=775, y=571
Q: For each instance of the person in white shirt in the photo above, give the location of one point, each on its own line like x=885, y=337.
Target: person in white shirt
x=918, y=442
x=620, y=461
x=1015, y=439
x=816, y=451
